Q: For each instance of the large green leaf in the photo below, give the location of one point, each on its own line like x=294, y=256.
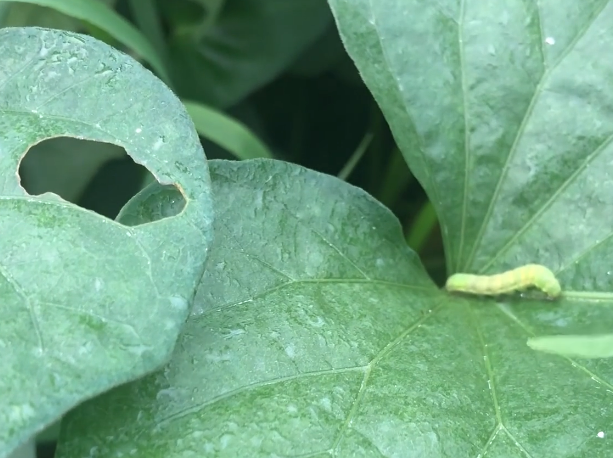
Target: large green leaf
x=304, y=293
x=87, y=303
x=316, y=332
x=504, y=115
x=249, y=44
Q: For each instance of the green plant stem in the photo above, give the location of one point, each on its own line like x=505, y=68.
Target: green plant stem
x=396, y=178
x=377, y=126
x=4, y=12
x=356, y=156
x=422, y=227
x=213, y=8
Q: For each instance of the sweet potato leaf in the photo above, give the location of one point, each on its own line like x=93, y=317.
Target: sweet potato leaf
x=316, y=332
x=88, y=303
x=504, y=115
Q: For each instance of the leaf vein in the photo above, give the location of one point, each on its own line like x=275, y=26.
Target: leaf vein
x=11, y=77
x=384, y=351
x=466, y=135
x=337, y=281
x=63, y=91
x=522, y=127
x=195, y=409
x=551, y=201
x=32, y=312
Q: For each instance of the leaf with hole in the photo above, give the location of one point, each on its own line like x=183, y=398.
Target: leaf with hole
x=88, y=303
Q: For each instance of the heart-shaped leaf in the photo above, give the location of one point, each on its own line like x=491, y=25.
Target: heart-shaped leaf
x=316, y=332
x=499, y=114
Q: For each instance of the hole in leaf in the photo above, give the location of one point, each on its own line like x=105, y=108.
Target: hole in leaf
x=97, y=176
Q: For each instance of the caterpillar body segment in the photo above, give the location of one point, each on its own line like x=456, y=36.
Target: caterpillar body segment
x=513, y=280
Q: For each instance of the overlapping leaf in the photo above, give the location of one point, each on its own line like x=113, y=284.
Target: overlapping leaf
x=504, y=116
x=87, y=303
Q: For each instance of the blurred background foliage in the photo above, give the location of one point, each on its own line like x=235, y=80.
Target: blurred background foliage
x=260, y=78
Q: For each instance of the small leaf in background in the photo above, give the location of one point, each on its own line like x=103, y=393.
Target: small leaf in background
x=87, y=303
x=587, y=346
x=226, y=132
x=242, y=50
x=152, y=203
x=29, y=14
x=149, y=21
x=324, y=55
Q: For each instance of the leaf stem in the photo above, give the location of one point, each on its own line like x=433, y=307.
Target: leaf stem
x=356, y=156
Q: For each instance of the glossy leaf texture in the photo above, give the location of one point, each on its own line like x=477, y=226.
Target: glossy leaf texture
x=88, y=303
x=316, y=332
x=301, y=293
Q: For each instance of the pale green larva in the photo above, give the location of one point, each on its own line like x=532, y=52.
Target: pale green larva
x=513, y=280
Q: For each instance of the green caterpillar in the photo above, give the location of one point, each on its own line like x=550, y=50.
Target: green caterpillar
x=514, y=280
